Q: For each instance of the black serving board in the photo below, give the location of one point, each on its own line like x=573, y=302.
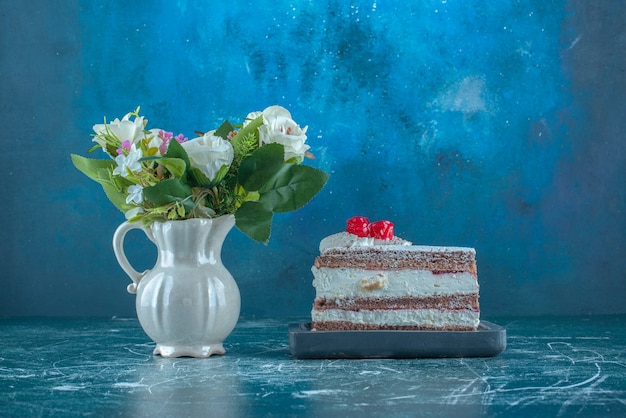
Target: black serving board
x=487, y=341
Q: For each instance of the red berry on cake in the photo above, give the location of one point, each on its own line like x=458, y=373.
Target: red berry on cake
x=381, y=230
x=359, y=226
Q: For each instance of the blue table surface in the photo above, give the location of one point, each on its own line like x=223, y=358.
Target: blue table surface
x=552, y=366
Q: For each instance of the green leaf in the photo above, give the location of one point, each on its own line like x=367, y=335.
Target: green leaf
x=261, y=166
x=175, y=150
x=249, y=129
x=255, y=220
x=180, y=209
x=198, y=177
x=116, y=197
x=100, y=171
x=169, y=191
x=221, y=173
x=282, y=187
x=92, y=168
x=176, y=166
x=224, y=129
x=203, y=181
x=292, y=187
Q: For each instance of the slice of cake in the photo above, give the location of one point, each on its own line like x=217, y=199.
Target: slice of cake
x=367, y=279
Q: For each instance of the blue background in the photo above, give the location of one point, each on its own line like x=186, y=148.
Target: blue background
x=496, y=125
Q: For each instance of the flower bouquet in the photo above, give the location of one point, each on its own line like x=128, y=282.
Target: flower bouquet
x=251, y=170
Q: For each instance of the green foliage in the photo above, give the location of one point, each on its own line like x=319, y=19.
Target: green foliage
x=101, y=172
x=176, y=151
x=282, y=187
x=292, y=187
x=247, y=137
x=255, y=220
x=261, y=166
x=224, y=129
x=169, y=191
x=94, y=169
x=257, y=184
x=176, y=166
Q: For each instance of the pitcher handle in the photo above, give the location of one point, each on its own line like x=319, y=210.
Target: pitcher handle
x=118, y=249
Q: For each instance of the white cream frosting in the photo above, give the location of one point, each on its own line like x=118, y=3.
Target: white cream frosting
x=424, y=317
x=336, y=283
x=348, y=240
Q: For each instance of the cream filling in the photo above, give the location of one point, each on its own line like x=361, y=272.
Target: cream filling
x=336, y=283
x=424, y=317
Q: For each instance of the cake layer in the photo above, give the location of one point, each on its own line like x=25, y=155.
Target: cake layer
x=445, y=302
x=398, y=257
x=346, y=282
x=425, y=319
x=348, y=326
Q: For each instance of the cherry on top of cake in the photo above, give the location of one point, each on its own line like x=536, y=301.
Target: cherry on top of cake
x=361, y=227
x=360, y=232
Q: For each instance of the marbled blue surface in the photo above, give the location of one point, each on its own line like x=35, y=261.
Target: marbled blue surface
x=495, y=125
x=552, y=367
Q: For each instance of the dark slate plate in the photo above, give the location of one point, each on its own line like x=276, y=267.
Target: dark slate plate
x=488, y=341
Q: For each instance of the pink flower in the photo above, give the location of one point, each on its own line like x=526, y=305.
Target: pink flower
x=165, y=136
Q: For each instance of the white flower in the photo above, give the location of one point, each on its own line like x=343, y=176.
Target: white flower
x=135, y=194
x=128, y=162
x=251, y=116
x=209, y=153
x=133, y=212
x=276, y=111
x=124, y=130
x=278, y=127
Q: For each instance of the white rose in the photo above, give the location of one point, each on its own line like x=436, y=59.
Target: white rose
x=251, y=116
x=209, y=153
x=278, y=127
x=124, y=130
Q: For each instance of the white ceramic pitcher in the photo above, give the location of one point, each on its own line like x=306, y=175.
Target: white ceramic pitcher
x=188, y=303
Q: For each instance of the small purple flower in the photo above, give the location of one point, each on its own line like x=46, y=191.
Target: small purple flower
x=165, y=136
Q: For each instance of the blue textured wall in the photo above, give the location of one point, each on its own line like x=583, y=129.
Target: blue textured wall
x=497, y=125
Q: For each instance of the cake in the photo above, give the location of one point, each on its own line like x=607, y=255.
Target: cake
x=365, y=278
